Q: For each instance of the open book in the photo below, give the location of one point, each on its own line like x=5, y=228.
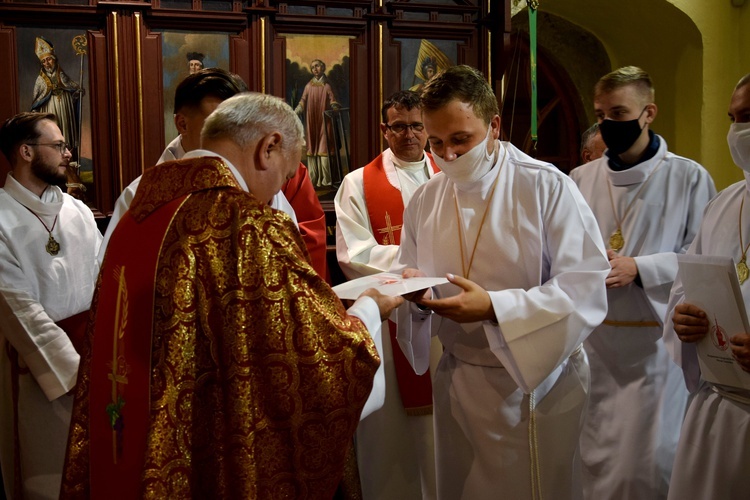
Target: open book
x=710, y=282
x=386, y=283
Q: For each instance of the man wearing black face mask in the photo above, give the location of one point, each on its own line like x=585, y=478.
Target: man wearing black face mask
x=648, y=203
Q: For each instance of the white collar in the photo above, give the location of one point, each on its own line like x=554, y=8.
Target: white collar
x=49, y=204
x=637, y=173
x=389, y=166
x=176, y=145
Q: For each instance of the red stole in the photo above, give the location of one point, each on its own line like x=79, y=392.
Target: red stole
x=120, y=388
x=311, y=219
x=386, y=210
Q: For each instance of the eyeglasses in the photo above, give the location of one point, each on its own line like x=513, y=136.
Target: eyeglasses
x=400, y=128
x=61, y=147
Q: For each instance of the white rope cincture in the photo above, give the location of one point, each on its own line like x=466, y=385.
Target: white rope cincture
x=536, y=476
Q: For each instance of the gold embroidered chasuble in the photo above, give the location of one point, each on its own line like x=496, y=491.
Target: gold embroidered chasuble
x=254, y=375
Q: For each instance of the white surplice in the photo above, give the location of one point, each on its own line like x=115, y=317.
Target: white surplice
x=174, y=151
x=36, y=290
x=714, y=449
x=637, y=396
x=541, y=258
x=395, y=452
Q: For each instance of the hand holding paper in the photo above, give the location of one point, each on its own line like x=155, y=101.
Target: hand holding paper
x=472, y=304
x=690, y=323
x=417, y=296
x=385, y=303
x=710, y=283
x=741, y=350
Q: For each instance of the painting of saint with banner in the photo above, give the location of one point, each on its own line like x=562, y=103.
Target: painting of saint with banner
x=430, y=61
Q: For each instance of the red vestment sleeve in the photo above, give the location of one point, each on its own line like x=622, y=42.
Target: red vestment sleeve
x=311, y=219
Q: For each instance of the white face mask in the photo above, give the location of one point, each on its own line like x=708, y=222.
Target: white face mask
x=470, y=166
x=738, y=139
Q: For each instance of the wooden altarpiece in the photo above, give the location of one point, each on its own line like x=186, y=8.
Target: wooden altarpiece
x=131, y=52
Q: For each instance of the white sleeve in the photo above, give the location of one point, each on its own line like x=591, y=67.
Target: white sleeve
x=357, y=251
x=279, y=202
x=42, y=345
x=415, y=328
x=658, y=271
x=539, y=328
x=367, y=311
x=414, y=335
x=121, y=206
x=684, y=354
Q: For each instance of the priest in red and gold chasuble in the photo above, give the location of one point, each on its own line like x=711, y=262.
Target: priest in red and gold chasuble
x=222, y=365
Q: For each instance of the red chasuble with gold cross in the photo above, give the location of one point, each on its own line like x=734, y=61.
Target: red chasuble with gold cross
x=385, y=206
x=220, y=364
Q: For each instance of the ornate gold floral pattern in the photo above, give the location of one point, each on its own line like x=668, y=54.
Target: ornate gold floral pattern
x=258, y=378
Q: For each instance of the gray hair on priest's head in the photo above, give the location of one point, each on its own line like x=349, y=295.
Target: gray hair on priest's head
x=745, y=80
x=248, y=117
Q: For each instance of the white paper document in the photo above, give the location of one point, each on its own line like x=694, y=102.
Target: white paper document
x=710, y=282
x=386, y=283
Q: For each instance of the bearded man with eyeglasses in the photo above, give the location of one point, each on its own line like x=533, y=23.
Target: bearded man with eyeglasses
x=48, y=247
x=395, y=449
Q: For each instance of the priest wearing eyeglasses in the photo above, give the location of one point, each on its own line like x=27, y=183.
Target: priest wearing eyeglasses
x=395, y=443
x=48, y=247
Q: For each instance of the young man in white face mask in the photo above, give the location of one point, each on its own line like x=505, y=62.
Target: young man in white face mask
x=648, y=203
x=714, y=464
x=526, y=266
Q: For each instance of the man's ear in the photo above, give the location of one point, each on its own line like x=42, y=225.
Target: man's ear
x=180, y=121
x=383, y=129
x=24, y=152
x=495, y=125
x=651, y=111
x=586, y=155
x=267, y=150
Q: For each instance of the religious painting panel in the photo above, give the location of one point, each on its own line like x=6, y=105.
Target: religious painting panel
x=53, y=77
x=423, y=58
x=184, y=53
x=318, y=89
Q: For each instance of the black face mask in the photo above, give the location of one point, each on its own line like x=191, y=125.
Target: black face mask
x=620, y=136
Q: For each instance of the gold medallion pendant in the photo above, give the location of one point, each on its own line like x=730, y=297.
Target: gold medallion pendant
x=743, y=272
x=616, y=241
x=52, y=246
